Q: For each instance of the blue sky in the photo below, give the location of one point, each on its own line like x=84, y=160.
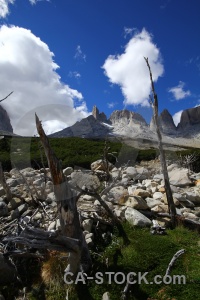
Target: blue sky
x=61, y=57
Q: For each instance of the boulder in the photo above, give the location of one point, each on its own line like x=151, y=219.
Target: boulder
x=179, y=177
x=15, y=202
x=152, y=202
x=160, y=208
x=85, y=181
x=118, y=194
x=135, y=218
x=87, y=224
x=193, y=196
x=142, y=193
x=100, y=165
x=157, y=195
x=136, y=202
x=68, y=171
x=131, y=172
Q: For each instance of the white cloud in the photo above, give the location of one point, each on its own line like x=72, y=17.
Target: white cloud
x=177, y=116
x=27, y=68
x=128, y=31
x=33, y=2
x=4, y=7
x=74, y=74
x=129, y=69
x=178, y=91
x=79, y=55
x=111, y=104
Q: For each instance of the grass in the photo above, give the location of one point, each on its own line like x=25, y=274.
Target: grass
x=145, y=253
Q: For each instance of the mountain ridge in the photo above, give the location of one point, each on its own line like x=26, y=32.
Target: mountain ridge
x=131, y=127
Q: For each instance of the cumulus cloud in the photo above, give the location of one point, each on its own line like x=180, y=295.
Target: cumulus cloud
x=178, y=91
x=79, y=55
x=177, y=116
x=129, y=69
x=4, y=7
x=28, y=69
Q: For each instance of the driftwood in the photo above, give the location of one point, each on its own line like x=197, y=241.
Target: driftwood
x=67, y=209
x=174, y=258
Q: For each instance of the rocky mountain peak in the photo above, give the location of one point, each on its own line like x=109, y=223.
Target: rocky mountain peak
x=166, y=123
x=189, y=117
x=127, y=117
x=98, y=116
x=5, y=124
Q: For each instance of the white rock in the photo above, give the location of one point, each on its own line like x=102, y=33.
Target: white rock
x=179, y=177
x=152, y=202
x=131, y=172
x=106, y=296
x=52, y=226
x=157, y=195
x=85, y=181
x=190, y=216
x=68, y=171
x=87, y=225
x=135, y=218
x=160, y=208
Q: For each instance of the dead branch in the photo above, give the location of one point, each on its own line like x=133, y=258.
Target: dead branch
x=40, y=239
x=171, y=205
x=6, y=97
x=174, y=258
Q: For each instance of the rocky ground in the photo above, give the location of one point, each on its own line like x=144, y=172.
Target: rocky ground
x=135, y=193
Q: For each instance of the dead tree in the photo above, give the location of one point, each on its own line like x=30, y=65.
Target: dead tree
x=66, y=203
x=4, y=184
x=154, y=101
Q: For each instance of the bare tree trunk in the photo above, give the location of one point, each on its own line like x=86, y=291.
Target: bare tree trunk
x=171, y=205
x=4, y=184
x=66, y=203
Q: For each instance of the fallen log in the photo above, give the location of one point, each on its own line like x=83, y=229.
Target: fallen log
x=40, y=239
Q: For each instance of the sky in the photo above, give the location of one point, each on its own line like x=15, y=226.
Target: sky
x=61, y=57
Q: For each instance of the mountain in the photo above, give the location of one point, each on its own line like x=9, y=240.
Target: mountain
x=130, y=125
x=166, y=123
x=88, y=127
x=5, y=124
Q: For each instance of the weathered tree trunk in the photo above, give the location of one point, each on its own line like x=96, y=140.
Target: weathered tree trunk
x=171, y=205
x=66, y=203
x=5, y=186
